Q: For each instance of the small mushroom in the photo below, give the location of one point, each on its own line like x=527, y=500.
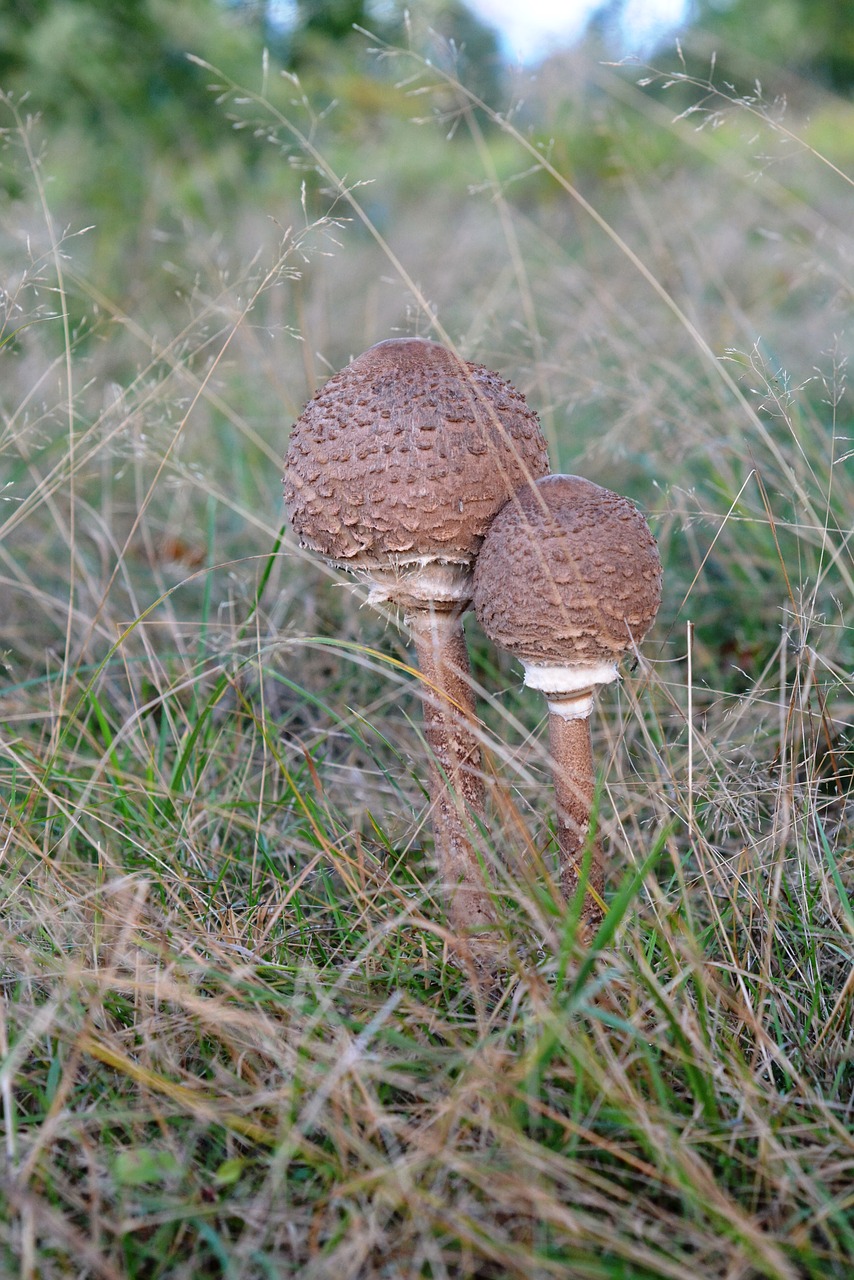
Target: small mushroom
x=394, y=471
x=568, y=579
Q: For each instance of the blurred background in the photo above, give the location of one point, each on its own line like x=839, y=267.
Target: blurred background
x=138, y=146
x=639, y=213
x=272, y=168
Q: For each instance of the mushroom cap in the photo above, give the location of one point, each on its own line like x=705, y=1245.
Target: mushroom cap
x=569, y=575
x=405, y=456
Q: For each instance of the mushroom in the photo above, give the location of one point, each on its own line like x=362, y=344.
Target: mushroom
x=568, y=579
x=394, y=471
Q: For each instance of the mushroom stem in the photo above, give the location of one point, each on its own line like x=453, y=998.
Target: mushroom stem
x=574, y=784
x=456, y=777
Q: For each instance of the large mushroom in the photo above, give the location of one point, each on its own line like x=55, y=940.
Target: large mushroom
x=568, y=579
x=394, y=471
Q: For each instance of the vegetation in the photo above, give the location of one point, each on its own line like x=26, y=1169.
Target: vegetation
x=233, y=1039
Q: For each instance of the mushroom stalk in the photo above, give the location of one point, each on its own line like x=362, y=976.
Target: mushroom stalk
x=456, y=779
x=574, y=784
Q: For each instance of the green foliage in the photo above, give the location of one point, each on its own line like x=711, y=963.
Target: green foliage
x=444, y=29
x=331, y=19
x=129, y=112
x=777, y=42
x=106, y=66
x=813, y=38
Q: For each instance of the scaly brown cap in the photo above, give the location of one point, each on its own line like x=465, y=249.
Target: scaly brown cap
x=406, y=455
x=569, y=575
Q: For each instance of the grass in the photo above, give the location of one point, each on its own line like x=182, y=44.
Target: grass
x=233, y=1038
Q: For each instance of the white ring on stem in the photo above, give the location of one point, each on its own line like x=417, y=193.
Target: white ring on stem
x=555, y=678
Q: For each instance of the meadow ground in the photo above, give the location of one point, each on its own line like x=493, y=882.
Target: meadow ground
x=233, y=1038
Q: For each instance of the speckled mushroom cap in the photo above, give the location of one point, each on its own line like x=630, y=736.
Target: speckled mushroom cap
x=568, y=576
x=406, y=455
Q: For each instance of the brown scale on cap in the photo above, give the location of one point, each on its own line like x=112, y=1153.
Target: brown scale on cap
x=407, y=454
x=570, y=574
x=568, y=578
